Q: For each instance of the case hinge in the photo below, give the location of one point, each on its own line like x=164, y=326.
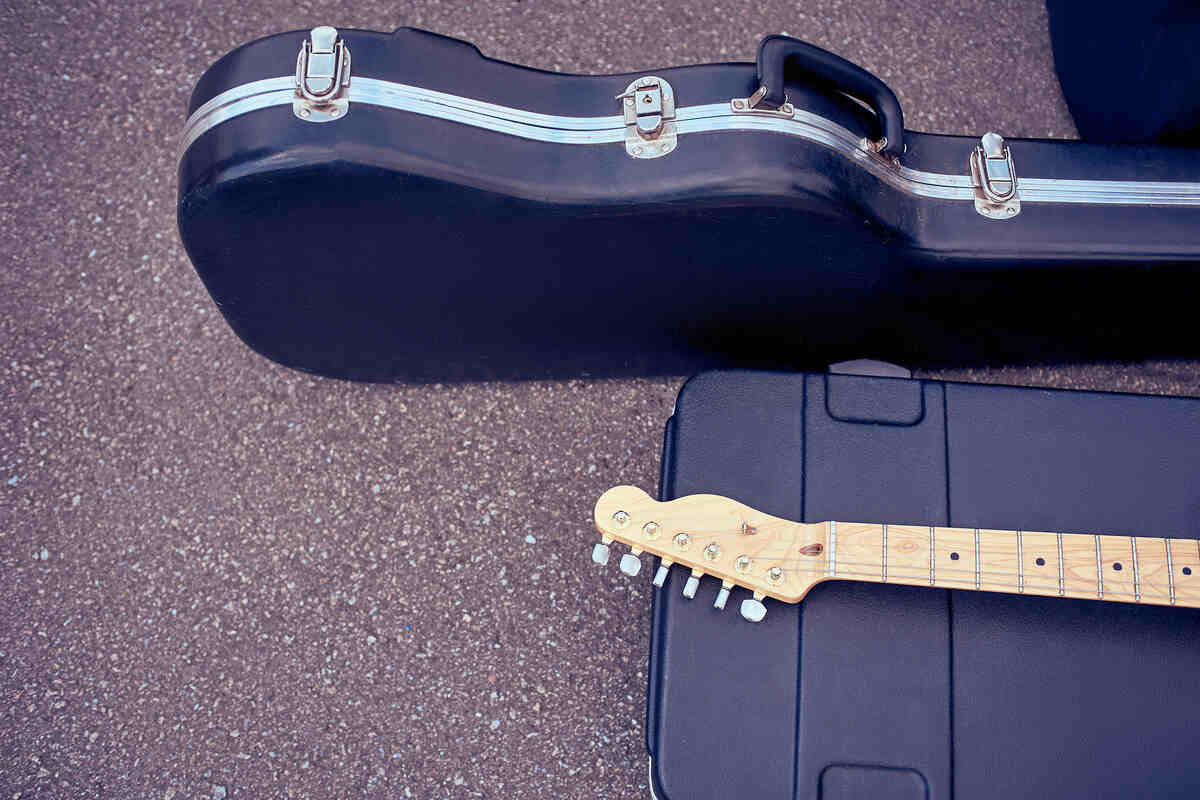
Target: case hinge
x=322, y=77
x=995, y=178
x=648, y=106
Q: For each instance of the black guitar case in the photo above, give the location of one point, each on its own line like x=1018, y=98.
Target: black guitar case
x=385, y=206
x=904, y=693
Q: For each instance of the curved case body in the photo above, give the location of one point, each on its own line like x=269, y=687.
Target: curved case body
x=468, y=218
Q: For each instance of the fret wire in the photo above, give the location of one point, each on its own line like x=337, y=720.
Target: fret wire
x=1170, y=571
x=883, y=575
x=1061, y=586
x=1099, y=572
x=931, y=555
x=1020, y=566
x=1137, y=592
x=977, y=558
x=832, y=548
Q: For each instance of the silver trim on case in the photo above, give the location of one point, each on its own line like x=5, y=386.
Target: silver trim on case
x=707, y=118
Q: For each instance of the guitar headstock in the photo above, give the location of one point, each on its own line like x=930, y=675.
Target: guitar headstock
x=713, y=535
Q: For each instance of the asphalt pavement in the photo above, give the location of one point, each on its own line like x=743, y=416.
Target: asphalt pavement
x=223, y=578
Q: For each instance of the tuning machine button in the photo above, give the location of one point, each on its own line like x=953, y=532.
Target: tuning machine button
x=723, y=595
x=600, y=553
x=693, y=583
x=631, y=565
x=753, y=608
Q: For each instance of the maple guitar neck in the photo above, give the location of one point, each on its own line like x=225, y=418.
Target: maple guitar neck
x=777, y=558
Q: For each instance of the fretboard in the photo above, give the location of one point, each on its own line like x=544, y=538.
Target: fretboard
x=1131, y=569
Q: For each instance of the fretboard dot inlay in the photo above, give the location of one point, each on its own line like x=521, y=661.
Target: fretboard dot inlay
x=954, y=556
x=1187, y=570
x=1041, y=562
x=1117, y=566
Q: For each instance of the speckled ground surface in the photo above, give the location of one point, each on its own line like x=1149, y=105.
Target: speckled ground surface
x=221, y=578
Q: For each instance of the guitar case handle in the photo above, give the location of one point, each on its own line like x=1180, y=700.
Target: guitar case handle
x=778, y=54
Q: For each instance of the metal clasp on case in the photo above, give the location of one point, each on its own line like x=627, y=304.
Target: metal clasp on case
x=995, y=178
x=750, y=105
x=648, y=107
x=322, y=77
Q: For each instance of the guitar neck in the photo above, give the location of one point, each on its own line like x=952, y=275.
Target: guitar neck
x=1131, y=569
x=774, y=557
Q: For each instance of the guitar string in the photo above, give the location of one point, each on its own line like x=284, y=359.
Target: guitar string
x=875, y=565
x=922, y=577
x=968, y=575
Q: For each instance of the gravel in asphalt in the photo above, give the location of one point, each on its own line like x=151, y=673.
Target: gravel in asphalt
x=222, y=578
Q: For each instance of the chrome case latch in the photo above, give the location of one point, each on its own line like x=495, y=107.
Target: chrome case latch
x=322, y=77
x=995, y=179
x=648, y=106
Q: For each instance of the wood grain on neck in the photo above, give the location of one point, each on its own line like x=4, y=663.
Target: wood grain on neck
x=777, y=558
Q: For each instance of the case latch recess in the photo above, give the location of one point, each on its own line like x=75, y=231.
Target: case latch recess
x=995, y=178
x=322, y=77
x=648, y=106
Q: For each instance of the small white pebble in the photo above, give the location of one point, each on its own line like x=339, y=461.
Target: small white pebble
x=45, y=554
x=371, y=640
x=529, y=539
x=495, y=724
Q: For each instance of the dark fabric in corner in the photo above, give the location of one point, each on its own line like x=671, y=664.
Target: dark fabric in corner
x=1130, y=72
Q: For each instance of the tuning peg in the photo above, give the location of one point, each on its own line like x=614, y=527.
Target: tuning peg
x=693, y=583
x=660, y=576
x=631, y=565
x=723, y=595
x=753, y=608
x=600, y=553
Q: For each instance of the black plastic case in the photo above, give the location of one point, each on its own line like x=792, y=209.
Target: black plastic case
x=429, y=240
x=880, y=692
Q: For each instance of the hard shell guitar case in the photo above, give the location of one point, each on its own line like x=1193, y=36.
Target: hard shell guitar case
x=890, y=692
x=397, y=206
